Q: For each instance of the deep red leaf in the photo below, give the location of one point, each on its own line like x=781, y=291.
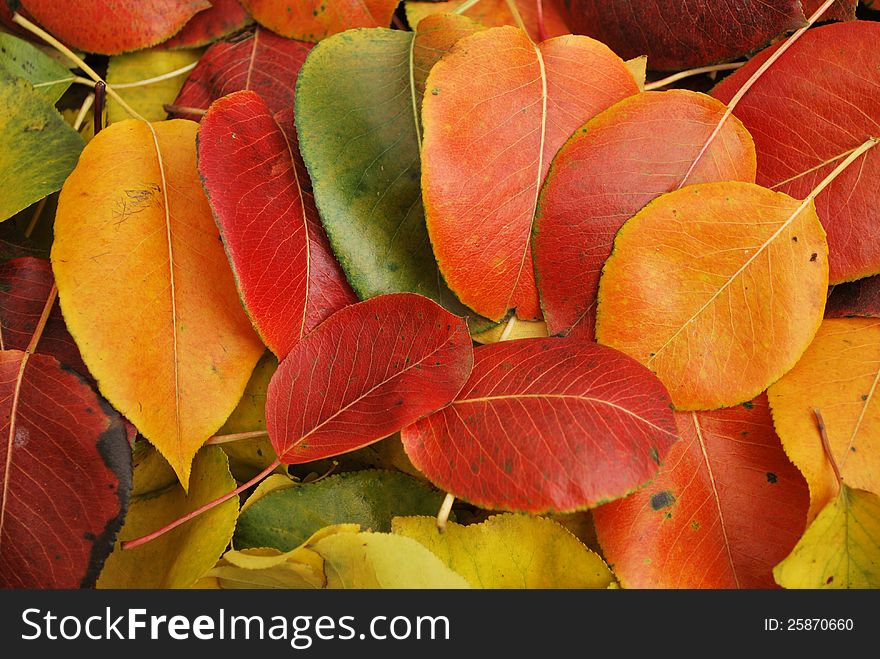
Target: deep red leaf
x=224, y=17
x=679, y=34
x=636, y=150
x=725, y=508
x=364, y=373
x=66, y=476
x=97, y=26
x=259, y=61
x=842, y=10
x=25, y=284
x=546, y=424
x=857, y=298
x=816, y=104
x=260, y=192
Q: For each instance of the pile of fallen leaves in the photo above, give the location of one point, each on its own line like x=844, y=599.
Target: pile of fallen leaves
x=437, y=294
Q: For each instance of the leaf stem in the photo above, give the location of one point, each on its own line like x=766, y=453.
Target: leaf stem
x=159, y=78
x=237, y=437
x=73, y=57
x=750, y=83
x=131, y=544
x=100, y=97
x=443, y=514
x=464, y=6
x=517, y=17
x=657, y=84
x=869, y=144
x=826, y=446
x=542, y=28
x=170, y=108
x=38, y=211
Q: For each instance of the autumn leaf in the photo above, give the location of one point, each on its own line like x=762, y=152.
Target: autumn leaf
x=546, y=425
x=496, y=13
x=180, y=557
x=498, y=110
x=38, y=149
x=146, y=289
x=356, y=110
x=313, y=20
x=258, y=61
x=842, y=10
x=628, y=155
x=718, y=288
x=839, y=375
x=148, y=100
x=25, y=286
x=222, y=19
x=363, y=374
x=23, y=60
x=95, y=27
x=726, y=506
x=840, y=549
x=510, y=551
x=382, y=560
x=857, y=298
x=825, y=88
x=286, y=518
x=287, y=276
x=678, y=34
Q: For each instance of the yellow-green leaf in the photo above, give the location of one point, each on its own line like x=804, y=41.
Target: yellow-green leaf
x=840, y=549
x=37, y=147
x=147, y=99
x=510, y=551
x=180, y=557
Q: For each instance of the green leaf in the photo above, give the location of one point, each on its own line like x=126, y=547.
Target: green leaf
x=511, y=551
x=19, y=59
x=148, y=99
x=181, y=556
x=284, y=519
x=38, y=149
x=356, y=118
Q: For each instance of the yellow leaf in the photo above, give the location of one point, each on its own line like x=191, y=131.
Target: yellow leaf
x=382, y=560
x=268, y=484
x=180, y=557
x=718, y=288
x=146, y=290
x=511, y=551
x=840, y=549
x=839, y=375
x=147, y=99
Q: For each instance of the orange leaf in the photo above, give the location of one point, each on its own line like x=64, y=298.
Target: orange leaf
x=312, y=20
x=496, y=13
x=497, y=110
x=839, y=375
x=718, y=288
x=146, y=289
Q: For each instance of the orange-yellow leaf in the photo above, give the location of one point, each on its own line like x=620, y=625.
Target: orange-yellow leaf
x=839, y=375
x=146, y=289
x=718, y=288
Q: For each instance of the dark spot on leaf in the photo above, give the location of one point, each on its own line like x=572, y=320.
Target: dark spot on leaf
x=260, y=452
x=813, y=257
x=852, y=449
x=749, y=405
x=695, y=525
x=794, y=239
x=771, y=478
x=662, y=500
x=864, y=396
x=655, y=456
x=508, y=466
x=475, y=468
x=744, y=433
x=435, y=91
x=89, y=536
x=668, y=516
x=829, y=580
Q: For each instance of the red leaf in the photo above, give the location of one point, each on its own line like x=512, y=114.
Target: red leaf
x=546, y=424
x=260, y=192
x=25, y=284
x=808, y=111
x=857, y=298
x=67, y=475
x=259, y=61
x=725, y=508
x=638, y=149
x=499, y=109
x=224, y=17
x=365, y=373
x=98, y=27
x=842, y=10
x=679, y=34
